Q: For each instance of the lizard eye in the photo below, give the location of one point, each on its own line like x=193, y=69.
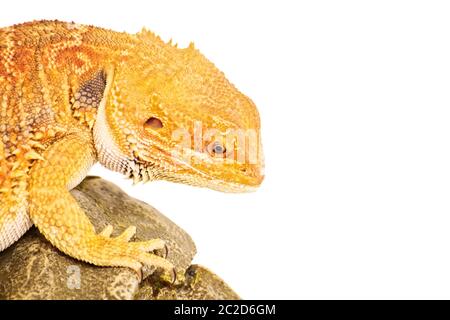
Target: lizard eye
x=218, y=148
x=153, y=123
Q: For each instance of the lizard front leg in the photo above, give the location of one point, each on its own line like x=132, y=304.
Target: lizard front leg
x=60, y=219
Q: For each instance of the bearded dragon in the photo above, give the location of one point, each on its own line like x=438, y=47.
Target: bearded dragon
x=72, y=95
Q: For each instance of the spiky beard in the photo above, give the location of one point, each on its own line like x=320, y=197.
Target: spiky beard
x=139, y=172
x=110, y=155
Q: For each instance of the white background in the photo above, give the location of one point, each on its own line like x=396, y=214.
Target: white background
x=354, y=99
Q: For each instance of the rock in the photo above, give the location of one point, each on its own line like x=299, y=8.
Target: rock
x=33, y=269
x=199, y=284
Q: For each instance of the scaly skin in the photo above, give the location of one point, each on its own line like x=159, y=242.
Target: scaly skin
x=72, y=95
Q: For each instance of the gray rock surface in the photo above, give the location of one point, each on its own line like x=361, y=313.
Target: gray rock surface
x=33, y=269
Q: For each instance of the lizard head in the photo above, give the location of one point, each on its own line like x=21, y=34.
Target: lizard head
x=170, y=114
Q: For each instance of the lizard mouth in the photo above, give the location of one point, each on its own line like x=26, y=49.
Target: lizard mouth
x=247, y=180
x=216, y=184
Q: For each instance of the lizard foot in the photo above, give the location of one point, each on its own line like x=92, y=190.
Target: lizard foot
x=119, y=251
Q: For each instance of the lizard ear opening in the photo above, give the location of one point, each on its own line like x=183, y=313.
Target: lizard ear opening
x=153, y=123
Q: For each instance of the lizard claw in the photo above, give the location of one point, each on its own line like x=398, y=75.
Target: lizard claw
x=174, y=276
x=170, y=277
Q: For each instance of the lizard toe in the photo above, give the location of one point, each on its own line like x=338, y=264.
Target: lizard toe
x=149, y=259
x=150, y=245
x=107, y=231
x=127, y=234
